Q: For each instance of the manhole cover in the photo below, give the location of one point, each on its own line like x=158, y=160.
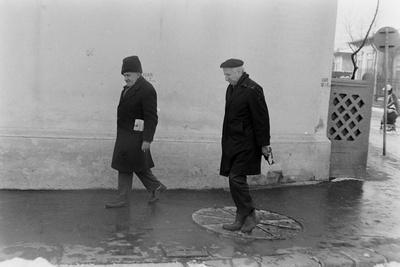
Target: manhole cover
x=271, y=226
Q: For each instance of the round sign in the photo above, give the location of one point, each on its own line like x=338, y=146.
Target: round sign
x=386, y=36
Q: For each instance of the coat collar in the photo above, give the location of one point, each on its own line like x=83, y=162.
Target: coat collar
x=132, y=90
x=233, y=90
x=241, y=79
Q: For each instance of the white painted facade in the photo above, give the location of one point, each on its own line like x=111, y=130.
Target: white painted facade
x=60, y=84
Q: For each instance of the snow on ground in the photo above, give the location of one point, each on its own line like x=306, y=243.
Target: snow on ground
x=18, y=262
x=390, y=264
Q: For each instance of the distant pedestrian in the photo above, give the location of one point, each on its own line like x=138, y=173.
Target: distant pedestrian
x=245, y=138
x=136, y=124
x=392, y=108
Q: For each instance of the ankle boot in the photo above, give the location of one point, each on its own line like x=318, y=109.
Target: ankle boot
x=250, y=222
x=124, y=190
x=236, y=225
x=155, y=194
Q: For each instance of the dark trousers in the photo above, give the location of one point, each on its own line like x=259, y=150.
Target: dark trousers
x=147, y=178
x=391, y=118
x=241, y=194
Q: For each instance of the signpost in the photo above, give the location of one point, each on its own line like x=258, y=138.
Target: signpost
x=386, y=38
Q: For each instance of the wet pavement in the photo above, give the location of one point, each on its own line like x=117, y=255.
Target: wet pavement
x=70, y=227
x=73, y=226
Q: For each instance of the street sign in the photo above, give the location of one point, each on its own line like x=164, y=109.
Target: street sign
x=386, y=35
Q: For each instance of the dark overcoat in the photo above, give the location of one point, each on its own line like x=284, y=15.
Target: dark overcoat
x=139, y=102
x=245, y=129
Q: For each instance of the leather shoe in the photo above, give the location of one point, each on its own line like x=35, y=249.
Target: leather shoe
x=236, y=225
x=155, y=194
x=116, y=204
x=250, y=223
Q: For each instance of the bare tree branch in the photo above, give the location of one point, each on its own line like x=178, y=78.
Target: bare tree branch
x=349, y=32
x=354, y=55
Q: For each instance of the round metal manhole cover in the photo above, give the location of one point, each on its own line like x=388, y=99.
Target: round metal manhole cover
x=272, y=226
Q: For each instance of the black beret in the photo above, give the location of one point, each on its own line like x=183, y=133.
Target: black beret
x=232, y=63
x=131, y=64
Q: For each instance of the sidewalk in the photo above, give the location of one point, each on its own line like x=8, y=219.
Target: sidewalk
x=344, y=223
x=287, y=258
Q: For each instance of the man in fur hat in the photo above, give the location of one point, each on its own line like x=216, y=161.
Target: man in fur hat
x=136, y=125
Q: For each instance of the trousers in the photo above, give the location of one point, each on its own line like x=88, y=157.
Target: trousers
x=241, y=194
x=148, y=179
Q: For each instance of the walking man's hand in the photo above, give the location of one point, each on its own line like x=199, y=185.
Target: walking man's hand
x=266, y=150
x=145, y=146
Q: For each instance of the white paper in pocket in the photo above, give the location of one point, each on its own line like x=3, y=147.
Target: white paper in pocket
x=139, y=125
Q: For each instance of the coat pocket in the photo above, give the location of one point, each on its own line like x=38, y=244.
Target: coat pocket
x=236, y=128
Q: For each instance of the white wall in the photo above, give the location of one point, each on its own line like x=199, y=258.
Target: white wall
x=60, y=69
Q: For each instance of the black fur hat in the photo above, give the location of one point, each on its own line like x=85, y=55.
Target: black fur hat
x=131, y=64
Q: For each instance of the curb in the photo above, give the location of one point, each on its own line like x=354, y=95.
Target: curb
x=300, y=257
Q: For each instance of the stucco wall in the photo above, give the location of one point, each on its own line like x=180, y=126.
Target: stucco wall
x=60, y=83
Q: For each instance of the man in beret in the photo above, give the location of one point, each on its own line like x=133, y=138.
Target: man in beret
x=136, y=125
x=245, y=138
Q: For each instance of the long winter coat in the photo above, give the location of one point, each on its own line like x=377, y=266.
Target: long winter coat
x=139, y=102
x=246, y=128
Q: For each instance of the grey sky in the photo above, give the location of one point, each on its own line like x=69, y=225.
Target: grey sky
x=357, y=14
